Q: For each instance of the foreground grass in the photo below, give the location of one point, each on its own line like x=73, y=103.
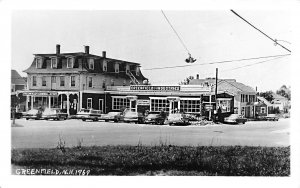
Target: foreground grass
x=161, y=160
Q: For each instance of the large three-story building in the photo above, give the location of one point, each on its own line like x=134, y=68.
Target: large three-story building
x=71, y=81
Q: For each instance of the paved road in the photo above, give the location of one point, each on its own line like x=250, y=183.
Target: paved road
x=45, y=134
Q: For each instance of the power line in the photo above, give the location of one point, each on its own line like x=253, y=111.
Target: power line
x=253, y=64
x=175, y=32
x=217, y=62
x=260, y=31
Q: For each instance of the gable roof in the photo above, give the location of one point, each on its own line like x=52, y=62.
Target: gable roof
x=16, y=78
x=225, y=84
x=264, y=100
x=278, y=97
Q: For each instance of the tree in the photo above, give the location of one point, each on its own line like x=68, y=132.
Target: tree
x=268, y=95
x=284, y=91
x=186, y=81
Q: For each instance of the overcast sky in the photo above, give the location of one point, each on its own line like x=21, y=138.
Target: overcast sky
x=146, y=38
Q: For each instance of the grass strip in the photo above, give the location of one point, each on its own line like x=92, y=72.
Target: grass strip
x=161, y=160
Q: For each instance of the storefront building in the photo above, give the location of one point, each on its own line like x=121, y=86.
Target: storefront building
x=60, y=80
x=198, y=100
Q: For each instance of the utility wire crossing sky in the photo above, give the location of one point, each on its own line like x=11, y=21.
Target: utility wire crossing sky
x=212, y=36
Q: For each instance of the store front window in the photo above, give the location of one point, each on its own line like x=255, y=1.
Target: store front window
x=190, y=106
x=158, y=105
x=119, y=103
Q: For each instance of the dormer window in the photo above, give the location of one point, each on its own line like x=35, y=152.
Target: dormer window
x=53, y=63
x=127, y=69
x=91, y=64
x=39, y=63
x=104, y=66
x=70, y=62
x=117, y=68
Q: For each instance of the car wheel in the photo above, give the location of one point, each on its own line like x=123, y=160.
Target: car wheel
x=27, y=118
x=106, y=120
x=83, y=119
x=116, y=121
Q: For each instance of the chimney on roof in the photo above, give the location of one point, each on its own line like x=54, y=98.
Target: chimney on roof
x=87, y=49
x=197, y=76
x=57, y=49
x=103, y=53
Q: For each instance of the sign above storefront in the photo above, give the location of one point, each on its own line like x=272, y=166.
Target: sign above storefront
x=38, y=93
x=143, y=102
x=154, y=88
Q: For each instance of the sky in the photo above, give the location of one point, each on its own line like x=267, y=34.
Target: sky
x=146, y=37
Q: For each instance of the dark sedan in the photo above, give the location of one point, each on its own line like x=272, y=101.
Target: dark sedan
x=155, y=118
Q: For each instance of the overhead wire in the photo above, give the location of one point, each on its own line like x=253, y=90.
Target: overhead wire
x=217, y=62
x=252, y=64
x=274, y=40
x=181, y=41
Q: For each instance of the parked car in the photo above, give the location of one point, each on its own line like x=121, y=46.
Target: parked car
x=88, y=114
x=135, y=117
x=272, y=117
x=55, y=114
x=178, y=119
x=33, y=114
x=112, y=116
x=155, y=118
x=235, y=118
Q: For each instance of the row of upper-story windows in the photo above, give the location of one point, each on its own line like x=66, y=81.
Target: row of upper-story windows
x=71, y=60
x=248, y=98
x=72, y=81
x=53, y=80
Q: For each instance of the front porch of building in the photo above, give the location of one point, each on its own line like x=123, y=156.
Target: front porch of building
x=67, y=101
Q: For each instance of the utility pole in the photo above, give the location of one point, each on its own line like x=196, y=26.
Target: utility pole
x=216, y=92
x=216, y=88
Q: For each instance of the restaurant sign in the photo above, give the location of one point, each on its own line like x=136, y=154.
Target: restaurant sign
x=37, y=93
x=154, y=88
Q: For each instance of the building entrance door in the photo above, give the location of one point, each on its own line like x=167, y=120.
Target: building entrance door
x=133, y=105
x=174, y=106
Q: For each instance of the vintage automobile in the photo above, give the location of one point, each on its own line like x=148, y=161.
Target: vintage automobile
x=135, y=117
x=235, y=119
x=178, y=119
x=88, y=114
x=55, y=114
x=271, y=117
x=33, y=114
x=112, y=116
x=155, y=118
